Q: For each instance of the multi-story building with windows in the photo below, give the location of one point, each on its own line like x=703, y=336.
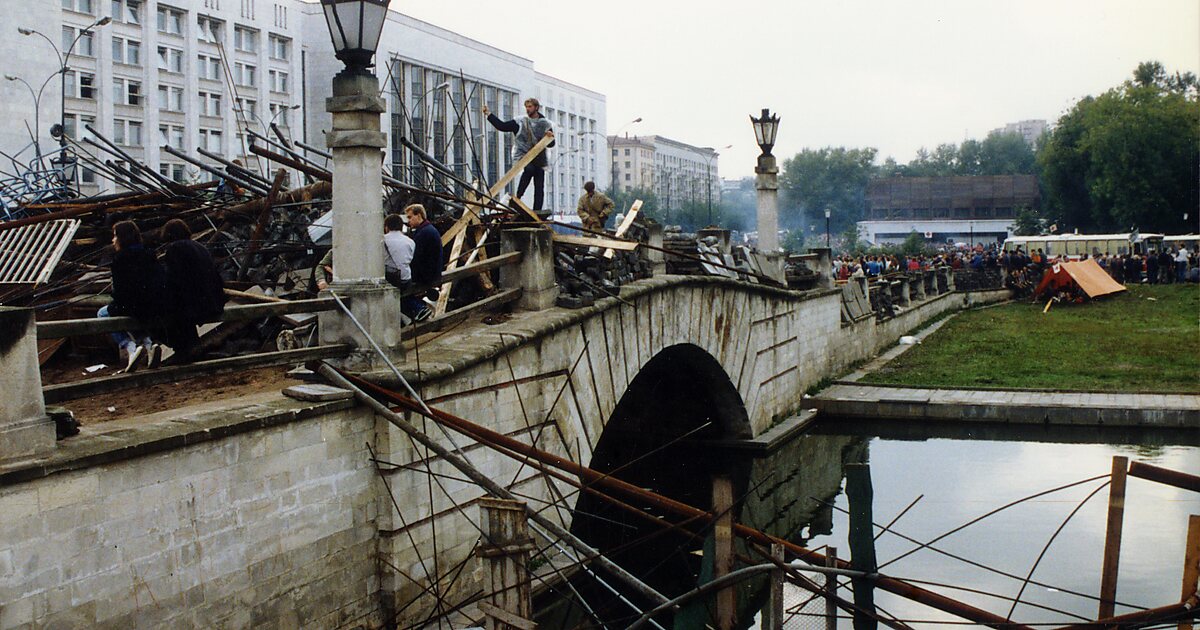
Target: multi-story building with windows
x=1030, y=130
x=196, y=74
x=676, y=172
x=436, y=83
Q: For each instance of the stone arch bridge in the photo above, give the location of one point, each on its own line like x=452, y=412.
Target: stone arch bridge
x=266, y=511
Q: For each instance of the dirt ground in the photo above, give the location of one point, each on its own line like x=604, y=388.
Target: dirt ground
x=147, y=400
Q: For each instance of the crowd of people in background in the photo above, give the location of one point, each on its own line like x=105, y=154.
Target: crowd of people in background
x=1023, y=270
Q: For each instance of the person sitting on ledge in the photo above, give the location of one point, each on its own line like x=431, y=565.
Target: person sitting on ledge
x=139, y=286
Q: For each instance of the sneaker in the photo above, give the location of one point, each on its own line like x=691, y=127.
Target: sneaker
x=423, y=314
x=155, y=353
x=135, y=359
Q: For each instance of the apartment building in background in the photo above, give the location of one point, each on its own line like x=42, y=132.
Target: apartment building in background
x=197, y=74
x=676, y=172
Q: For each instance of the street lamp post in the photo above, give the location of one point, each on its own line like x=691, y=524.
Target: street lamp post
x=827, y=213
x=63, y=63
x=357, y=143
x=767, y=181
x=37, y=111
x=708, y=172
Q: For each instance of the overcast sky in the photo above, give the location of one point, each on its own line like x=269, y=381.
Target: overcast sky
x=895, y=75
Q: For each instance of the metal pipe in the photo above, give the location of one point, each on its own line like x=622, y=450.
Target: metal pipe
x=892, y=585
x=488, y=484
x=215, y=171
x=263, y=182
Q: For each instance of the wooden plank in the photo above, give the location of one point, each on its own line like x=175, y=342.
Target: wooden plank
x=723, y=552
x=505, y=617
x=625, y=225
x=455, y=251
x=861, y=535
x=93, y=326
x=457, y=315
x=588, y=241
x=69, y=391
x=1112, y=538
x=526, y=209
x=525, y=160
x=1191, y=563
x=469, y=215
x=508, y=258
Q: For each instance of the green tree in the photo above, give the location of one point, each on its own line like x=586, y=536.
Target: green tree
x=1127, y=158
x=623, y=201
x=1027, y=223
x=1005, y=154
x=913, y=244
x=832, y=177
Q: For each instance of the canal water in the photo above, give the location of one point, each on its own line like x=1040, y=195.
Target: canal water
x=957, y=474
x=942, y=476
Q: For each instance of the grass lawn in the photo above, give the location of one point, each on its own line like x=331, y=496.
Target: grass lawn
x=1144, y=339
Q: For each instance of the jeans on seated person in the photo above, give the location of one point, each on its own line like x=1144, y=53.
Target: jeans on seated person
x=125, y=340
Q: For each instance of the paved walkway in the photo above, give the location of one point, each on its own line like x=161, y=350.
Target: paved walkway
x=1024, y=407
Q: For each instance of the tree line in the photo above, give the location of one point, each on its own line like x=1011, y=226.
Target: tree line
x=1126, y=159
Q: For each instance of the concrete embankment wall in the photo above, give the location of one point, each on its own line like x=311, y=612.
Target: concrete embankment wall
x=267, y=527
x=272, y=514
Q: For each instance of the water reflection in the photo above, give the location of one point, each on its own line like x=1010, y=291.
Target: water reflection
x=959, y=473
x=963, y=473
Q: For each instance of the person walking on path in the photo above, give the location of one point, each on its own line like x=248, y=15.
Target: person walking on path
x=528, y=130
x=194, y=287
x=426, y=261
x=138, y=290
x=593, y=208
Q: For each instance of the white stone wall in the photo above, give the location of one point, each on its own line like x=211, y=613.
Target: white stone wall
x=270, y=529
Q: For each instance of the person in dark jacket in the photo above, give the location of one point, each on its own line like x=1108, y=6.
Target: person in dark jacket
x=426, y=261
x=529, y=131
x=194, y=287
x=138, y=290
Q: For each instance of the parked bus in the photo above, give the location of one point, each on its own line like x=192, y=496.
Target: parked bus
x=1076, y=245
x=1189, y=241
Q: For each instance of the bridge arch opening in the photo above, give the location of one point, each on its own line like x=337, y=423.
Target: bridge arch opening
x=664, y=435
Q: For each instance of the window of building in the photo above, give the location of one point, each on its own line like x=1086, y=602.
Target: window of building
x=170, y=59
x=209, y=29
x=126, y=51
x=279, y=81
x=281, y=113
x=127, y=11
x=87, y=175
x=281, y=48
x=170, y=98
x=245, y=39
x=212, y=4
x=281, y=15
x=127, y=91
x=210, y=103
x=127, y=132
x=211, y=140
x=75, y=126
x=248, y=7
x=208, y=67
x=170, y=21
x=81, y=6
x=175, y=172
x=84, y=46
x=248, y=106
x=81, y=85
x=626, y=153
x=245, y=74
x=626, y=176
x=171, y=135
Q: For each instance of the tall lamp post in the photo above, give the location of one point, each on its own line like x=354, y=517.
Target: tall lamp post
x=827, y=213
x=37, y=111
x=708, y=171
x=767, y=181
x=357, y=143
x=66, y=160
x=64, y=59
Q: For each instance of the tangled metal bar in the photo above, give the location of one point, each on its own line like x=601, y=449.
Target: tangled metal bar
x=490, y=438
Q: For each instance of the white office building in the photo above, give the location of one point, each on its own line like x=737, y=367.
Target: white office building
x=195, y=74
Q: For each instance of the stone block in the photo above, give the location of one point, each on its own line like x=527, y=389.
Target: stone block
x=25, y=429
